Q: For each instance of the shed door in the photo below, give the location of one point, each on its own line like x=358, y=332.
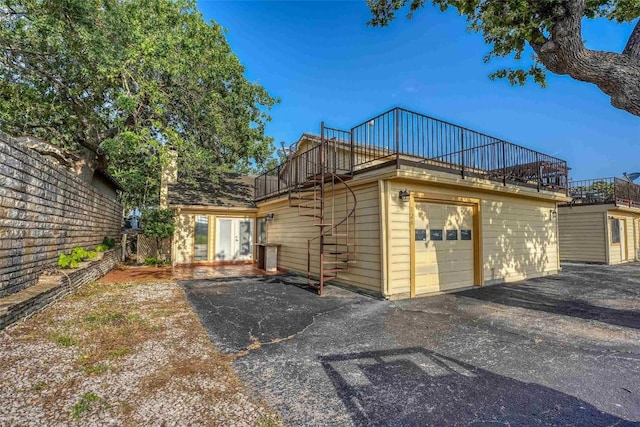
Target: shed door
x=623, y=240
x=444, y=256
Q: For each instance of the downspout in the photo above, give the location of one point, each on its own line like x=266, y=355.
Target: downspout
x=557, y=219
x=607, y=259
x=384, y=284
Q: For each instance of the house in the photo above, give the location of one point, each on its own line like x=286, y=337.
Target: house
x=601, y=223
x=400, y=205
x=215, y=221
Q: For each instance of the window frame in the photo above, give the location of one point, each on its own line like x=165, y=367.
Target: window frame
x=615, y=233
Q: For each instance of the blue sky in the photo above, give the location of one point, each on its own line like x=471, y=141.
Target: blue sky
x=324, y=63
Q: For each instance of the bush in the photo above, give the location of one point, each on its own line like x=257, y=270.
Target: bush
x=158, y=223
x=77, y=255
x=151, y=261
x=102, y=248
x=66, y=261
x=109, y=243
x=81, y=254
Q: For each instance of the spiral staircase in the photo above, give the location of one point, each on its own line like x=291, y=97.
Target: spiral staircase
x=320, y=190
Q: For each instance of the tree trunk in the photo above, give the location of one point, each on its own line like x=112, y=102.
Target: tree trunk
x=616, y=74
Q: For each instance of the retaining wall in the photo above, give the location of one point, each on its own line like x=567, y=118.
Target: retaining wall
x=51, y=287
x=45, y=210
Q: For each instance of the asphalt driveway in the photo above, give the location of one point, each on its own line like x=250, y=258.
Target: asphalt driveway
x=561, y=350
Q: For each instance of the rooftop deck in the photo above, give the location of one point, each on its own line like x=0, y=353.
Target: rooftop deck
x=400, y=138
x=618, y=191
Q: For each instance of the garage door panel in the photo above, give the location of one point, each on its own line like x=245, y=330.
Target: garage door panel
x=448, y=263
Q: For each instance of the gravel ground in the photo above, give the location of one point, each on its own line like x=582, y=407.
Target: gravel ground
x=120, y=354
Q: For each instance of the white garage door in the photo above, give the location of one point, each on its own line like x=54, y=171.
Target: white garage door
x=443, y=247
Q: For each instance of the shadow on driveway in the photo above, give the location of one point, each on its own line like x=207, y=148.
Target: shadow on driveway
x=417, y=387
x=534, y=296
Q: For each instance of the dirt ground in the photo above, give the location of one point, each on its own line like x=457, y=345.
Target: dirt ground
x=120, y=353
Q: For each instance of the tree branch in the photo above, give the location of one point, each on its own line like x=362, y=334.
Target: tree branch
x=633, y=45
x=564, y=53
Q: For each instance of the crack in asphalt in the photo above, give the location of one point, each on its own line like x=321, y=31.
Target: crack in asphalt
x=257, y=344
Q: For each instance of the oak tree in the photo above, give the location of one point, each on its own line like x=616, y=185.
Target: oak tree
x=553, y=31
x=131, y=79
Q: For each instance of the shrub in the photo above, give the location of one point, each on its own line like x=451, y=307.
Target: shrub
x=67, y=261
x=81, y=254
x=150, y=261
x=102, y=248
x=158, y=223
x=109, y=243
x=77, y=255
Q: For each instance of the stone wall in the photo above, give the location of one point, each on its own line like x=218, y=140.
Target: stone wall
x=52, y=287
x=45, y=210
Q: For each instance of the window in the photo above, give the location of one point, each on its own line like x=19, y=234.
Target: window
x=435, y=234
x=452, y=234
x=201, y=238
x=261, y=231
x=615, y=230
x=465, y=234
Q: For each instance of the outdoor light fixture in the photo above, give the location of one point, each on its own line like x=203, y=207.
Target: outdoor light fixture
x=553, y=213
x=269, y=217
x=404, y=195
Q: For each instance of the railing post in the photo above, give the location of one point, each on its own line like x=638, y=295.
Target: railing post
x=353, y=154
x=397, y=124
x=504, y=165
x=539, y=166
x=462, y=152
x=278, y=178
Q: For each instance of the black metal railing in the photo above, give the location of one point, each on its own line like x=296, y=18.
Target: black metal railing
x=603, y=191
x=408, y=137
x=404, y=137
x=303, y=167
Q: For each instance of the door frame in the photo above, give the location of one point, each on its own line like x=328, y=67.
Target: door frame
x=624, y=241
x=235, y=219
x=417, y=197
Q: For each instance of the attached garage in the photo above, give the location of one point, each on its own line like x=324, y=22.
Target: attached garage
x=443, y=245
x=451, y=234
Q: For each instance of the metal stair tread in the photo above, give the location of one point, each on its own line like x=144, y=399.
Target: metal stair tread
x=342, y=261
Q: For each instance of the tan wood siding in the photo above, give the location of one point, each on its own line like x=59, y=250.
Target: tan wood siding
x=292, y=232
x=183, y=239
x=183, y=243
x=518, y=235
x=627, y=221
x=582, y=235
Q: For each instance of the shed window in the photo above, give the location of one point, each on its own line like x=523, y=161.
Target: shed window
x=615, y=230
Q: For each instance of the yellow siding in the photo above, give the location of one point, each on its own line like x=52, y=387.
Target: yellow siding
x=183, y=239
x=292, y=232
x=183, y=248
x=582, y=235
x=616, y=255
x=518, y=235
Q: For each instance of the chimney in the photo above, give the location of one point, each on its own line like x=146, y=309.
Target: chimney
x=168, y=176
